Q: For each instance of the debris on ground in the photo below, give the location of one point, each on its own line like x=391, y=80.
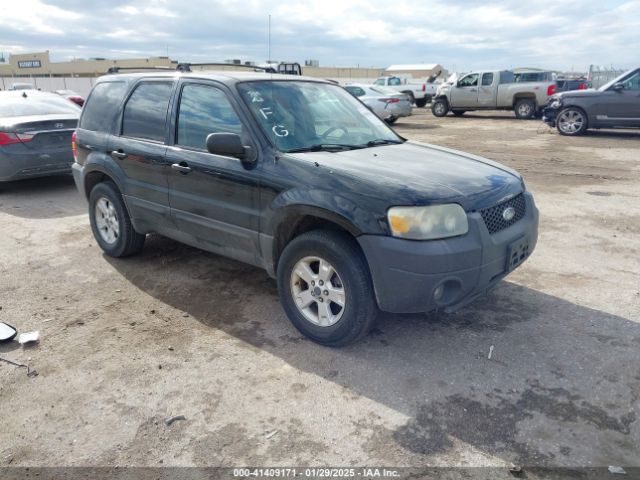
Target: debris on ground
x=490, y=352
x=30, y=372
x=271, y=434
x=616, y=470
x=29, y=337
x=515, y=470
x=170, y=420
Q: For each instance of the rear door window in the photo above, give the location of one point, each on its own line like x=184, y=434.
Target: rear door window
x=102, y=105
x=145, y=113
x=487, y=79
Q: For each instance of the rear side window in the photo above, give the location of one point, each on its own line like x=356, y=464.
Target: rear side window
x=356, y=91
x=487, y=79
x=100, y=109
x=145, y=114
x=204, y=110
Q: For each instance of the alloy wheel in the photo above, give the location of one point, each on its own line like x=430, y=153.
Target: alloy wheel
x=570, y=121
x=318, y=291
x=107, y=220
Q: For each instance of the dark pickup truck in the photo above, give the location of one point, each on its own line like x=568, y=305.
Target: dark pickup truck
x=296, y=176
x=614, y=105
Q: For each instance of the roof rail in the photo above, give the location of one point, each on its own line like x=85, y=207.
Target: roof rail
x=186, y=66
x=116, y=69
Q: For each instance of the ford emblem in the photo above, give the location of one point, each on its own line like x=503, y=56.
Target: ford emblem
x=509, y=213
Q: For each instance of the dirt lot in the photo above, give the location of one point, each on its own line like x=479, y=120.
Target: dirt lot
x=177, y=331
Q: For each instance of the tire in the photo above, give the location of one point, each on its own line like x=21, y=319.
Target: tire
x=439, y=107
x=525, y=109
x=343, y=324
x=421, y=102
x=458, y=113
x=110, y=222
x=571, y=121
x=410, y=96
x=391, y=120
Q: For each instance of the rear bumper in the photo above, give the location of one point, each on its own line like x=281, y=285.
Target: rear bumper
x=406, y=273
x=78, y=178
x=20, y=166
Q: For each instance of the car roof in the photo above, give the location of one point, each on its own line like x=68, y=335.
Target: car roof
x=228, y=77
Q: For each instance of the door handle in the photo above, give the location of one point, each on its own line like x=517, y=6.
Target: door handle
x=119, y=154
x=182, y=167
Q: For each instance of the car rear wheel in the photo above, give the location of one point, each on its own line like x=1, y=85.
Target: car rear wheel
x=325, y=288
x=571, y=121
x=421, y=102
x=391, y=120
x=110, y=222
x=439, y=108
x=525, y=109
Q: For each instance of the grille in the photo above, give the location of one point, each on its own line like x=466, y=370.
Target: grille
x=492, y=216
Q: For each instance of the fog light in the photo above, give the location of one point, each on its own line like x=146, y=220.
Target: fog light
x=438, y=293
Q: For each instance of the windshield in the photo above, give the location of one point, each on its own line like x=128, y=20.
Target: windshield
x=606, y=86
x=307, y=116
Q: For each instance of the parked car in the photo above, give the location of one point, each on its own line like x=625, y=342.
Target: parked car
x=385, y=102
x=567, y=85
x=35, y=134
x=614, y=105
x=496, y=90
x=296, y=176
x=21, y=86
x=72, y=96
x=418, y=92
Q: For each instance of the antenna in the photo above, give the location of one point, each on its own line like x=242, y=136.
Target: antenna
x=269, y=60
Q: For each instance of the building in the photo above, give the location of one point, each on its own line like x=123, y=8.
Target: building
x=418, y=70
x=35, y=65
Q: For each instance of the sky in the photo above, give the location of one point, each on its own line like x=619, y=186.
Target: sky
x=459, y=34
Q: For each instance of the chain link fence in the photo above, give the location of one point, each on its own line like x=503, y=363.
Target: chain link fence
x=600, y=75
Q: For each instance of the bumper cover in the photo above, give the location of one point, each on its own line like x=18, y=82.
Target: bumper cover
x=406, y=273
x=549, y=116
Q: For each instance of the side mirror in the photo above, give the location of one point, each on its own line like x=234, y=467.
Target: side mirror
x=227, y=144
x=618, y=87
x=7, y=332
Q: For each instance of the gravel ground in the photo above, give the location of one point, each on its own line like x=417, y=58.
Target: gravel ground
x=177, y=331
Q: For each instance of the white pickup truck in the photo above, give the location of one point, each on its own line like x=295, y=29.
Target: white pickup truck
x=497, y=90
x=419, y=93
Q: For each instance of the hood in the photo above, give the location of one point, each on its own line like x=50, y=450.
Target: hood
x=579, y=93
x=414, y=173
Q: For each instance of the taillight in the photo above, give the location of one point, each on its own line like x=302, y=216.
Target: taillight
x=551, y=89
x=7, y=138
x=74, y=147
x=424, y=87
x=582, y=86
x=389, y=100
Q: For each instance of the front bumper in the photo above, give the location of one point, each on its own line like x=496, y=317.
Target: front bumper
x=407, y=273
x=549, y=115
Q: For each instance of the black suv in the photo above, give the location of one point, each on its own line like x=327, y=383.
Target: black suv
x=616, y=104
x=296, y=176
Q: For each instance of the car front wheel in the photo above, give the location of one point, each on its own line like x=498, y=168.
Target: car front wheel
x=110, y=222
x=325, y=287
x=439, y=107
x=571, y=121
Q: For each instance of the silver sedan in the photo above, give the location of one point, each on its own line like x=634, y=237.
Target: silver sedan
x=385, y=102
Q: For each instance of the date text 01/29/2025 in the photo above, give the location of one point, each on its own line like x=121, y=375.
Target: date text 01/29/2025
x=315, y=472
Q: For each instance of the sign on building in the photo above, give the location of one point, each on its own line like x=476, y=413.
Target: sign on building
x=29, y=64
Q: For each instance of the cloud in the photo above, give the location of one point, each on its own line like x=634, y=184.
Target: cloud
x=460, y=34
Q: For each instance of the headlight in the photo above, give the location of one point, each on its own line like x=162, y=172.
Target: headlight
x=428, y=223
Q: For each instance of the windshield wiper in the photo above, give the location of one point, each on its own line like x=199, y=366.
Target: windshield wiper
x=324, y=147
x=382, y=141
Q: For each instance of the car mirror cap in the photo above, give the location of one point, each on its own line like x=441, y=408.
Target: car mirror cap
x=618, y=86
x=226, y=144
